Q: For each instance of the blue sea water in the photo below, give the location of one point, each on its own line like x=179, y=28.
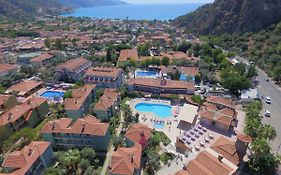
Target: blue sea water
x=136, y=11
x=162, y=111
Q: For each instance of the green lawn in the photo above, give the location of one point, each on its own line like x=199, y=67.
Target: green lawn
x=166, y=157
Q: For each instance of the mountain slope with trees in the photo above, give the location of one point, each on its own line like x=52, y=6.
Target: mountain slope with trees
x=227, y=16
x=24, y=9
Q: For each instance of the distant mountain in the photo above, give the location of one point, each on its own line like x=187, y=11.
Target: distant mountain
x=24, y=9
x=90, y=3
x=228, y=16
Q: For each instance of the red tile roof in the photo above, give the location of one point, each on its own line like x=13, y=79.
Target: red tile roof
x=25, y=86
x=21, y=110
x=168, y=84
x=4, y=98
x=79, y=96
x=125, y=160
x=227, y=149
x=111, y=72
x=127, y=54
x=139, y=133
x=74, y=64
x=41, y=57
x=220, y=100
x=109, y=97
x=206, y=164
x=7, y=67
x=22, y=160
x=86, y=125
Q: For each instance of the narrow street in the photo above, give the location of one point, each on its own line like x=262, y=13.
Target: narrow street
x=109, y=154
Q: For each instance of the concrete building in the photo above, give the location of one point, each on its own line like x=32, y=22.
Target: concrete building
x=163, y=86
x=84, y=132
x=218, y=112
x=25, y=88
x=104, y=77
x=17, y=116
x=108, y=104
x=31, y=159
x=41, y=60
x=81, y=99
x=138, y=134
x=126, y=161
x=73, y=70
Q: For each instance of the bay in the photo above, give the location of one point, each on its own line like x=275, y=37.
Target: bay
x=136, y=11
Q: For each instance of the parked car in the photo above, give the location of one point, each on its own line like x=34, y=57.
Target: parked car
x=267, y=113
x=268, y=100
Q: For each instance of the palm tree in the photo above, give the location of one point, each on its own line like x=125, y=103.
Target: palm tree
x=71, y=158
x=260, y=146
x=268, y=132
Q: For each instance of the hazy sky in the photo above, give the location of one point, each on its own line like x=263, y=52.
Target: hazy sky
x=167, y=1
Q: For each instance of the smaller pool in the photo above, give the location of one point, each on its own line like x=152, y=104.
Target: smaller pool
x=146, y=73
x=52, y=94
x=158, y=126
x=186, y=78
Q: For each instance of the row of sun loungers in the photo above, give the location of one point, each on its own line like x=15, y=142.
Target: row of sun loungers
x=193, y=134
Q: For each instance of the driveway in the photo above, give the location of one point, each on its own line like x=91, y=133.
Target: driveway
x=268, y=88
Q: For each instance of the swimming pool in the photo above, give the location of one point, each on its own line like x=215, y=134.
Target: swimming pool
x=52, y=94
x=158, y=126
x=141, y=73
x=160, y=110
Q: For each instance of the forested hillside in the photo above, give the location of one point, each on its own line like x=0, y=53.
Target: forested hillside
x=232, y=16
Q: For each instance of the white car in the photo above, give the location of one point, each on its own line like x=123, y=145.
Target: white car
x=268, y=100
x=267, y=113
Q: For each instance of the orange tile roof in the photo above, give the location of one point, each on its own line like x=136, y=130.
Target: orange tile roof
x=137, y=132
x=212, y=112
x=74, y=64
x=4, y=98
x=220, y=100
x=22, y=160
x=206, y=164
x=216, y=116
x=86, y=125
x=21, y=110
x=25, y=86
x=245, y=138
x=7, y=67
x=109, y=97
x=79, y=96
x=128, y=54
x=41, y=57
x=102, y=71
x=169, y=84
x=126, y=160
x=227, y=149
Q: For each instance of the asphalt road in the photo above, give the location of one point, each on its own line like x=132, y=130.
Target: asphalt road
x=268, y=88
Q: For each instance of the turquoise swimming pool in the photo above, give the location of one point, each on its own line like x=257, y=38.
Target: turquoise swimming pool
x=160, y=110
x=52, y=95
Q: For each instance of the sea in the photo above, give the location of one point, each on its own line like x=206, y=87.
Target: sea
x=136, y=11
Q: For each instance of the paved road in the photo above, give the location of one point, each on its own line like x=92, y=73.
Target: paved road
x=268, y=88
x=109, y=154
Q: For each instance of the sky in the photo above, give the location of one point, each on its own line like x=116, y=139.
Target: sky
x=167, y=1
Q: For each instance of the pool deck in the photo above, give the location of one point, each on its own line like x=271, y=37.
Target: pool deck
x=171, y=130
x=43, y=90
